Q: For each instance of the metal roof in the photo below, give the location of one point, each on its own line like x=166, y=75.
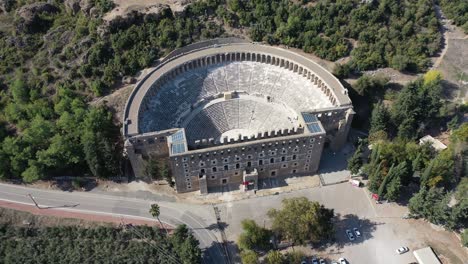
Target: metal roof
x=314, y=127
x=308, y=118
x=177, y=142
x=178, y=148
x=312, y=122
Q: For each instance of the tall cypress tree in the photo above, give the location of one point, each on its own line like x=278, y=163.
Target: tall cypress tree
x=387, y=178
x=355, y=162
x=425, y=177
x=375, y=178
x=379, y=119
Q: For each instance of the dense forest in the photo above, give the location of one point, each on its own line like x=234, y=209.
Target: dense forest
x=457, y=11
x=54, y=64
x=431, y=182
x=73, y=244
x=55, y=60
x=398, y=34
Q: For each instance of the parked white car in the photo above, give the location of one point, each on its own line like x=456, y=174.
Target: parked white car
x=343, y=261
x=402, y=250
x=350, y=234
x=357, y=232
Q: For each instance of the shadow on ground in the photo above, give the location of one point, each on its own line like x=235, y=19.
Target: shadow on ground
x=217, y=226
x=332, y=161
x=75, y=184
x=217, y=254
x=343, y=223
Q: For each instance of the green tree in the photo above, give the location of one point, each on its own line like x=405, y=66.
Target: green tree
x=155, y=212
x=32, y=173
x=431, y=204
x=166, y=174
x=462, y=189
x=393, y=189
x=341, y=70
x=399, y=62
x=295, y=256
x=379, y=119
x=375, y=177
x=101, y=153
x=254, y=237
x=274, y=257
x=4, y=165
x=249, y=257
x=355, y=161
x=458, y=218
x=417, y=105
x=465, y=238
x=302, y=221
x=385, y=181
x=152, y=170
x=19, y=89
x=369, y=85
x=186, y=246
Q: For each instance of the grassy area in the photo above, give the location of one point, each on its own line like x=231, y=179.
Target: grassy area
x=6, y=22
x=20, y=218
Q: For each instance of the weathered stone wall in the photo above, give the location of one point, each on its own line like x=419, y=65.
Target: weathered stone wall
x=225, y=164
x=336, y=123
x=140, y=148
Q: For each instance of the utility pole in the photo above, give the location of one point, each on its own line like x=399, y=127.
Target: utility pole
x=32, y=198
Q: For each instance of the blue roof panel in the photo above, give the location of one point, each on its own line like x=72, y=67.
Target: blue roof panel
x=178, y=148
x=309, y=118
x=314, y=127
x=178, y=136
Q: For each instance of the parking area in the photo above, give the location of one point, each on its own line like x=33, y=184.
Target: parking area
x=381, y=226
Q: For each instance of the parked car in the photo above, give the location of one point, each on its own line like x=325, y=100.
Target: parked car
x=350, y=234
x=402, y=250
x=357, y=232
x=343, y=261
x=322, y=261
x=315, y=261
x=304, y=261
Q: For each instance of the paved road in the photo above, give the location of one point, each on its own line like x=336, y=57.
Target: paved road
x=200, y=219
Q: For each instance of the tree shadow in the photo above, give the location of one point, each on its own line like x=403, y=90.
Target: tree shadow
x=406, y=193
x=450, y=89
x=70, y=184
x=219, y=252
x=343, y=223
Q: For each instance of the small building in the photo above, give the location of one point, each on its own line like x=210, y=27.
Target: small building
x=426, y=256
x=435, y=143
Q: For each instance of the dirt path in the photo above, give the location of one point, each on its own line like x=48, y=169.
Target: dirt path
x=444, y=30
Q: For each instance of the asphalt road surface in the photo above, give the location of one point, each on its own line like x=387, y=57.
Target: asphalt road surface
x=200, y=218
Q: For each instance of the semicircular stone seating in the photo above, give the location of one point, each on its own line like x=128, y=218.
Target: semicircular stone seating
x=237, y=114
x=177, y=95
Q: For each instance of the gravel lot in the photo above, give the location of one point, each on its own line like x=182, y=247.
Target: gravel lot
x=382, y=227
